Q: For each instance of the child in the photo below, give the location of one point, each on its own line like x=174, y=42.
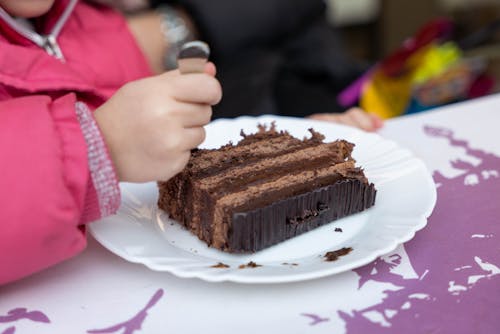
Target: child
x=80, y=111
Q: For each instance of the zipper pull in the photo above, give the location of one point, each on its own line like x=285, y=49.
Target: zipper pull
x=50, y=45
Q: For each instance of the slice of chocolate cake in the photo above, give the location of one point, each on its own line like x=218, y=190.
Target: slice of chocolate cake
x=268, y=188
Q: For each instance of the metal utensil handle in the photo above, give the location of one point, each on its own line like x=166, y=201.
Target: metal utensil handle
x=192, y=57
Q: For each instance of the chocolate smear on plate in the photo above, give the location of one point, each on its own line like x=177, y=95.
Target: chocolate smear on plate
x=220, y=265
x=250, y=264
x=334, y=255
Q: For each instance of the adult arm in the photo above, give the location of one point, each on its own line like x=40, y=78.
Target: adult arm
x=230, y=26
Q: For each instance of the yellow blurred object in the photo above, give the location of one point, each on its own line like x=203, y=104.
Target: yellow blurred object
x=385, y=96
x=435, y=60
x=389, y=96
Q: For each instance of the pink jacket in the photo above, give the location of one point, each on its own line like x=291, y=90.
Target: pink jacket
x=55, y=174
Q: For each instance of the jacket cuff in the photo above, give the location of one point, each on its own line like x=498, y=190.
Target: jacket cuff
x=103, y=193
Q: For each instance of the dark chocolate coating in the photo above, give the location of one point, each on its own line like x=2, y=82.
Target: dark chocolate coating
x=255, y=230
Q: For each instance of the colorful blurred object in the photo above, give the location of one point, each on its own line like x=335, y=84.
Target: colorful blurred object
x=435, y=60
x=427, y=71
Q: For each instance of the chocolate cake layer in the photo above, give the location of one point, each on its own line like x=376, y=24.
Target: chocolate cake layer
x=278, y=164
x=266, y=189
x=207, y=162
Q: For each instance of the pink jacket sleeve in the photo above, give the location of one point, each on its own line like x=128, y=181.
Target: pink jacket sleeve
x=49, y=182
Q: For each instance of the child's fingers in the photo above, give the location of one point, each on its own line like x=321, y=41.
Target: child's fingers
x=194, y=88
x=192, y=138
x=210, y=69
x=194, y=115
x=361, y=119
x=355, y=117
x=378, y=122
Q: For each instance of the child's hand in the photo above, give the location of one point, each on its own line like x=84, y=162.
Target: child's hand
x=354, y=117
x=150, y=125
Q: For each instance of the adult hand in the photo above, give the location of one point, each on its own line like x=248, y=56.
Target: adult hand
x=356, y=117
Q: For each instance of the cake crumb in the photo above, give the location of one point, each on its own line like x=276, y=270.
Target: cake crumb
x=289, y=264
x=338, y=229
x=250, y=264
x=334, y=255
x=220, y=265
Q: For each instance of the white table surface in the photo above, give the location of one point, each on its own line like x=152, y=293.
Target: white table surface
x=98, y=292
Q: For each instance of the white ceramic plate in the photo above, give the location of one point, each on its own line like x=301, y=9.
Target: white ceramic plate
x=406, y=195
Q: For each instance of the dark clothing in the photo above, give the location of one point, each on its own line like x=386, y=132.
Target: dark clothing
x=274, y=56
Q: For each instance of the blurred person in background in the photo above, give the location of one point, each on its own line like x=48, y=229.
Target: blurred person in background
x=273, y=57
